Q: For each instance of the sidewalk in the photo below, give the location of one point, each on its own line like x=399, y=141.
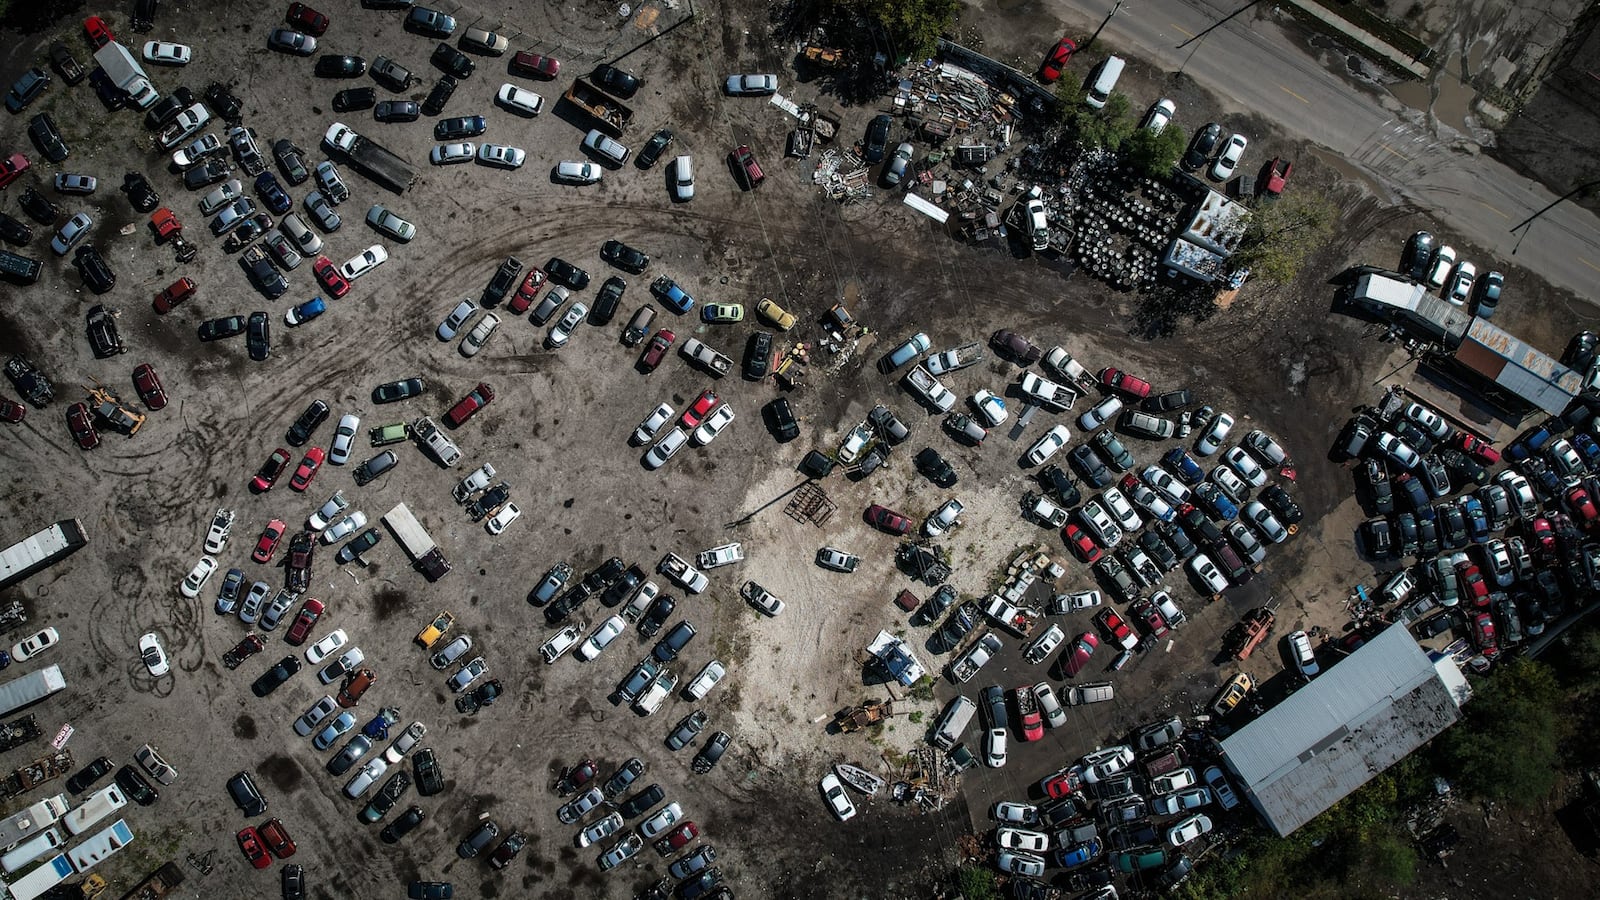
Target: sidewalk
x=1364, y=38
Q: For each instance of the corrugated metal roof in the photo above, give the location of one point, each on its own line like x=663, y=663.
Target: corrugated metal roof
x=1524, y=370
x=1327, y=739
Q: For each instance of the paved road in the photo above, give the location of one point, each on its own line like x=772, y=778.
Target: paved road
x=1250, y=63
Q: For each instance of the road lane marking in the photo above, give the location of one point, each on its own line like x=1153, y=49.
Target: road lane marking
x=1589, y=264
x=1493, y=210
x=1296, y=96
x=1180, y=29
x=1394, y=151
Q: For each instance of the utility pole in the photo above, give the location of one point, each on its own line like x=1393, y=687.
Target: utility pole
x=1200, y=38
x=1103, y=24
x=1526, y=223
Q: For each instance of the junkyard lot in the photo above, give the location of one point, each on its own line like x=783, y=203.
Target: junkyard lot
x=559, y=418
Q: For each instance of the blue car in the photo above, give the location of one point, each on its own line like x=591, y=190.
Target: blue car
x=1477, y=520
x=1215, y=502
x=669, y=293
x=272, y=193
x=1078, y=854
x=1531, y=442
x=1416, y=494
x=305, y=312
x=1184, y=466
x=1587, y=446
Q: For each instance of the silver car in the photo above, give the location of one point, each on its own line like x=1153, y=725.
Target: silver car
x=451, y=652
x=294, y=228
x=481, y=332
x=451, y=326
x=386, y=222
x=561, y=332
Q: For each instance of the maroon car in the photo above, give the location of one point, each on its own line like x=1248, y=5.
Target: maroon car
x=307, y=20
x=310, y=612
x=82, y=426
x=528, y=291
x=270, y=470
x=11, y=411
x=660, y=343
x=886, y=519
x=536, y=65
x=149, y=387
x=1077, y=656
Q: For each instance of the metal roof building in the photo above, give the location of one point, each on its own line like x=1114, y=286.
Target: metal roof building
x=1355, y=720
x=1528, y=374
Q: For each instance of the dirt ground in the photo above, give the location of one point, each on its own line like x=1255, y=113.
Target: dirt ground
x=557, y=433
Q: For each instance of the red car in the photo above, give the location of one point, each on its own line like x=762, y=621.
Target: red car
x=328, y=273
x=677, y=838
x=1276, y=174
x=11, y=411
x=1082, y=545
x=1473, y=587
x=888, y=520
x=175, y=293
x=309, y=464
x=700, y=408
x=1118, y=380
x=1114, y=626
x=12, y=167
x=1582, y=506
x=1477, y=448
x=656, y=351
x=149, y=387
x=1028, y=709
x=277, y=838
x=1544, y=535
x=528, y=291
x=267, y=475
x=304, y=621
x=1077, y=656
x=469, y=405
x=306, y=20
x=1483, y=635
x=1057, y=61
x=1153, y=620
x=749, y=170
x=267, y=544
x=535, y=64
x=1064, y=783
x=99, y=34
x=250, y=843
x=82, y=426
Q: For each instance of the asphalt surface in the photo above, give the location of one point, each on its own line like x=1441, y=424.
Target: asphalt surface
x=1256, y=64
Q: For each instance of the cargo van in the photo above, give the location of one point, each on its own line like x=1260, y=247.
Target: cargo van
x=947, y=731
x=1091, y=692
x=1105, y=81
x=19, y=269
x=683, y=178
x=100, y=804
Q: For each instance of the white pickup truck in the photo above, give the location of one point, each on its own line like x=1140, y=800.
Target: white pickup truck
x=696, y=351
x=438, y=442
x=963, y=667
x=474, y=483
x=725, y=555
x=928, y=388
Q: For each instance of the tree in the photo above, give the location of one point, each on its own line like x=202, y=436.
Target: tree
x=914, y=25
x=1152, y=153
x=1282, y=233
x=1108, y=126
x=976, y=883
x=1506, y=747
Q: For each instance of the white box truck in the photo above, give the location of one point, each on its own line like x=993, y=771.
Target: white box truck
x=126, y=73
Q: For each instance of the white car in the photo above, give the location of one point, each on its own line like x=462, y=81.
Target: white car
x=1216, y=433
x=664, y=449
x=576, y=172
x=1180, y=802
x=344, y=665
x=344, y=438
x=35, y=644
x=601, y=637
x=203, y=146
x=1016, y=813
x=720, y=418
x=451, y=154
x=163, y=53
x=1054, y=715
x=520, y=100
x=1265, y=522
x=1022, y=839
x=370, y=259
x=1220, y=789
x=498, y=522
x=600, y=830
x=366, y=777
x=1048, y=445
x=946, y=517
x=1206, y=572
x=1398, y=451
x=752, y=85
x=1243, y=463
x=1305, y=659
x=994, y=748
x=326, y=647
x=1152, y=502
x=1025, y=864
x=991, y=409
x=405, y=743
x=761, y=598
x=1100, y=524
x=1159, y=115
x=1121, y=509
x=1100, y=413
x=449, y=653
x=561, y=331
x=1230, y=482
x=155, y=658
x=1461, y=285
x=1166, y=485
x=197, y=577
x=1188, y=829
x=345, y=527
x=325, y=514
x=504, y=157
x=665, y=818
x=713, y=672
x=653, y=424
x=480, y=334
x=833, y=792
x=559, y=643
x=854, y=443
x=220, y=196
x=1174, y=781
x=75, y=230
x=1228, y=159
x=1099, y=765
x=313, y=717
x=186, y=124
x=221, y=527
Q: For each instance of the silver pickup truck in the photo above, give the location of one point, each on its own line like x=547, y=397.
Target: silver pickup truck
x=696, y=351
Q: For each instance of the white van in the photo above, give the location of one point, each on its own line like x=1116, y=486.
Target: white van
x=100, y=804
x=31, y=849
x=1038, y=225
x=92, y=852
x=947, y=732
x=606, y=147
x=683, y=179
x=1105, y=81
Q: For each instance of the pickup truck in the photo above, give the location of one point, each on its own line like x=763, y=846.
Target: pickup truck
x=1048, y=394
x=1044, y=510
x=678, y=569
x=438, y=442
x=956, y=358
x=476, y=399
x=1017, y=620
x=929, y=389
x=696, y=351
x=477, y=481
x=963, y=667
x=725, y=555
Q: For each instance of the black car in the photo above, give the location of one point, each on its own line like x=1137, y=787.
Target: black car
x=94, y=269
x=607, y=300
x=604, y=574
x=391, y=391
x=1202, y=146
x=1377, y=537
x=27, y=89
x=563, y=272
x=1089, y=465
x=273, y=678
x=781, y=420
x=1202, y=529
x=39, y=208
x=656, y=615
x=1452, y=525
x=340, y=67
x=758, y=356
x=700, y=885
x=82, y=779
x=14, y=231
x=452, y=61
x=242, y=788
x=258, y=336
x=934, y=468
x=567, y=604
x=111, y=97
x=143, y=197
x=266, y=278
x=623, y=778
x=351, y=99
x=403, y=825
x=505, y=278
x=458, y=127
x=294, y=882
x=1056, y=480
x=209, y=172
x=491, y=500
x=480, y=838
x=225, y=327
x=1174, y=537
x=1581, y=350
x=1462, y=467
x=640, y=803
x=877, y=140
x=167, y=108
x=439, y=95
x=45, y=135
x=707, y=758
x=291, y=161
x=1156, y=548
x=223, y=102
x=1282, y=504
x=623, y=587
x=1427, y=537
x=672, y=643
x=615, y=81
x=397, y=111
x=651, y=152
x=1169, y=401
x=1112, y=449
x=134, y=785
x=483, y=695
x=393, y=789
x=624, y=257
x=104, y=337
x=430, y=778
x=508, y=850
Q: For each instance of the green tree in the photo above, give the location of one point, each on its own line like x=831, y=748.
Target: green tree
x=1154, y=154
x=976, y=883
x=1283, y=232
x=914, y=25
x=1108, y=126
x=1506, y=747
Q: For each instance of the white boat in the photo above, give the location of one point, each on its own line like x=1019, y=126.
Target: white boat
x=860, y=779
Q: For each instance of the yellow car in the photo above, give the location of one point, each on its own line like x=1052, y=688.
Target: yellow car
x=1233, y=693
x=436, y=629
x=775, y=314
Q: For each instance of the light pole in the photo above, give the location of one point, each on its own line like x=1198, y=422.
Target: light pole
x=1103, y=24
x=1525, y=223
x=1200, y=38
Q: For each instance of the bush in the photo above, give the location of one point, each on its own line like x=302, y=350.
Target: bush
x=1283, y=233
x=976, y=883
x=1506, y=747
x=1092, y=128
x=1154, y=155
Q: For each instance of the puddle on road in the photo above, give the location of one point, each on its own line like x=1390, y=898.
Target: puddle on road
x=1454, y=101
x=1351, y=172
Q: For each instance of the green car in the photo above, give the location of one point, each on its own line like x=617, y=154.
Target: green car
x=722, y=313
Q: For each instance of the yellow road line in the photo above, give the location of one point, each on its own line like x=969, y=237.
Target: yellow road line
x=1394, y=151
x=1589, y=264
x=1493, y=210
x=1296, y=96
x=1180, y=30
